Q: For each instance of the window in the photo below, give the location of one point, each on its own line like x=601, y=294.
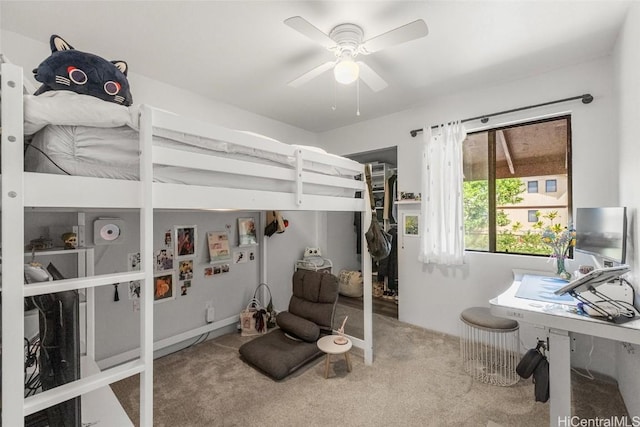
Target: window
x=504, y=211
x=551, y=185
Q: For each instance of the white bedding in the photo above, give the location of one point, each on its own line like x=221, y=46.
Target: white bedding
x=86, y=136
x=63, y=107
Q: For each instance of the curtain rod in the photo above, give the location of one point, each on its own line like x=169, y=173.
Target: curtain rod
x=586, y=99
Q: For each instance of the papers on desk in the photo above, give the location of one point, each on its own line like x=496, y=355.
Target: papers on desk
x=542, y=288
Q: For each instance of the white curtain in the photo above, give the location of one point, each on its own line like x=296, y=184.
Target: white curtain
x=442, y=225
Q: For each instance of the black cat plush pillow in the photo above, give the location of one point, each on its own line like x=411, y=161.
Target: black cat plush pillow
x=83, y=73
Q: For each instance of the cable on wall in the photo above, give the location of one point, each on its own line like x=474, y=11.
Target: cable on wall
x=587, y=98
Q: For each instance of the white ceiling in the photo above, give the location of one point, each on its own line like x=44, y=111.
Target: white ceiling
x=241, y=53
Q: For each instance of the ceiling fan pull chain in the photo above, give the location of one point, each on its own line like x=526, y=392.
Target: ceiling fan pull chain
x=335, y=85
x=358, y=97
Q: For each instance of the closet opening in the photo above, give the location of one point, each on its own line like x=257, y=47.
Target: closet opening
x=345, y=238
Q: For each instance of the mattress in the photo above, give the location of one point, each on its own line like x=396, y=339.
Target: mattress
x=83, y=136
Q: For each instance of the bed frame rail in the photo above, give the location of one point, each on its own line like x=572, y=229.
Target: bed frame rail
x=164, y=121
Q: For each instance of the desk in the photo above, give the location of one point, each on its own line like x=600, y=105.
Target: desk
x=559, y=324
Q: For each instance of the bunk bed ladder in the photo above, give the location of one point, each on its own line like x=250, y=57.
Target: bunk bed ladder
x=146, y=252
x=12, y=247
x=14, y=405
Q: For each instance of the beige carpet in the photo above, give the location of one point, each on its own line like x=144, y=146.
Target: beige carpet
x=416, y=380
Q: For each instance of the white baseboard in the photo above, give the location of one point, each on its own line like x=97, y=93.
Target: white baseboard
x=170, y=341
x=357, y=342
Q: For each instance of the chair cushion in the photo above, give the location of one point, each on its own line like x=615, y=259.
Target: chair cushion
x=277, y=355
x=314, y=297
x=298, y=327
x=481, y=317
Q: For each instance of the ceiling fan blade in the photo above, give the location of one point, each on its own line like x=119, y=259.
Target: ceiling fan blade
x=311, y=74
x=371, y=78
x=303, y=26
x=411, y=31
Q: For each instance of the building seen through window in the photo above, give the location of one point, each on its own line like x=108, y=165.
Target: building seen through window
x=504, y=168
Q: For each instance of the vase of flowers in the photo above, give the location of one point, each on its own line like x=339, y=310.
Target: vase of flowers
x=560, y=240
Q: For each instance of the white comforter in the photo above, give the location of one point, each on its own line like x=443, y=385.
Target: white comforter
x=92, y=137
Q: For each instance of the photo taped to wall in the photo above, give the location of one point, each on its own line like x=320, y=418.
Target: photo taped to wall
x=240, y=257
x=163, y=287
x=185, y=269
x=247, y=235
x=164, y=260
x=185, y=241
x=133, y=261
x=218, y=243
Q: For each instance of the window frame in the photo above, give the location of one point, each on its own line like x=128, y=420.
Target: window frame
x=529, y=187
x=555, y=185
x=491, y=180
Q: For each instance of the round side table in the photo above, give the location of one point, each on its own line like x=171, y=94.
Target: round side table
x=327, y=345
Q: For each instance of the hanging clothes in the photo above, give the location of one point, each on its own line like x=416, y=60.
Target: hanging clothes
x=390, y=198
x=357, y=226
x=388, y=267
x=386, y=201
x=275, y=223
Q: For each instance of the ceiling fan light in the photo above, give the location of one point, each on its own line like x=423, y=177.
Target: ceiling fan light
x=346, y=71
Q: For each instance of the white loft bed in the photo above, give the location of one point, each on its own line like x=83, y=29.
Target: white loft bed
x=292, y=178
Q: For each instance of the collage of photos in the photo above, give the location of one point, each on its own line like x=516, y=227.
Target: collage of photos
x=185, y=274
x=215, y=270
x=173, y=263
x=243, y=256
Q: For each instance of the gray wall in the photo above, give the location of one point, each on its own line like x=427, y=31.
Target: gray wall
x=117, y=323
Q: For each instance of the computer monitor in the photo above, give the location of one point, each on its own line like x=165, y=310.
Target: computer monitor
x=59, y=358
x=602, y=232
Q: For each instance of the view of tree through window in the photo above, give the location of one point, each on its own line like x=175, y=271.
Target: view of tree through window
x=500, y=168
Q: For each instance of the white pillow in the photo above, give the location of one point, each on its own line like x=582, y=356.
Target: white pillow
x=63, y=107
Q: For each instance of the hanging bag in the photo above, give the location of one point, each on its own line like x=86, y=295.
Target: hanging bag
x=253, y=319
x=271, y=313
x=541, y=380
x=378, y=240
x=527, y=365
x=535, y=363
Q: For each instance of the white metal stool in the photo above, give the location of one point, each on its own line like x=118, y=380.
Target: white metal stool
x=489, y=347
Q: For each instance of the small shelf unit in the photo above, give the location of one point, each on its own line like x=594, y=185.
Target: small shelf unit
x=380, y=173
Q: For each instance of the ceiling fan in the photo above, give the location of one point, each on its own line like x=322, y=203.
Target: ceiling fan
x=345, y=41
